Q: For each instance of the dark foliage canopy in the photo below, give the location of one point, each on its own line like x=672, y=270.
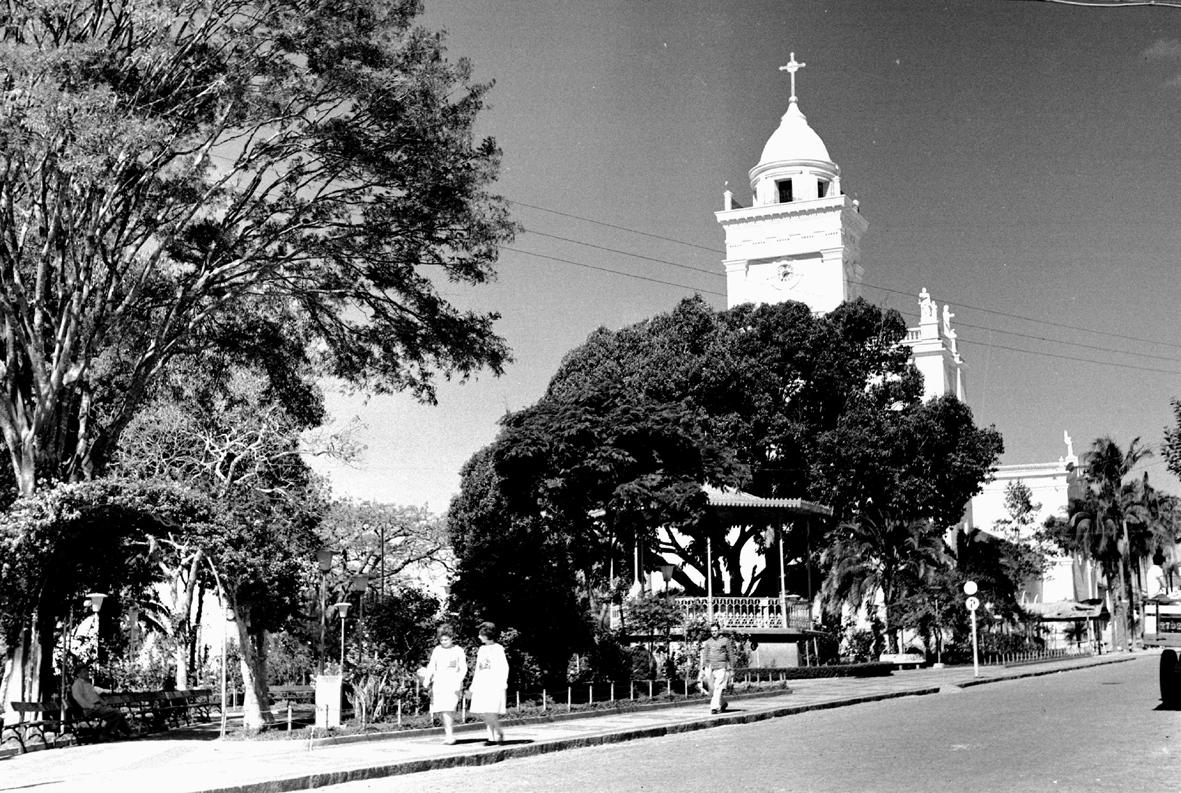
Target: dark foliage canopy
x=772, y=399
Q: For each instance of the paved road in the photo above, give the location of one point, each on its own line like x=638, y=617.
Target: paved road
x=1093, y=730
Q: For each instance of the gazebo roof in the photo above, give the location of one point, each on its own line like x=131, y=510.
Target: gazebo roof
x=730, y=498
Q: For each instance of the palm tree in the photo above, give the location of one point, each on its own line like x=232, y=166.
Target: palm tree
x=1152, y=520
x=880, y=553
x=1100, y=520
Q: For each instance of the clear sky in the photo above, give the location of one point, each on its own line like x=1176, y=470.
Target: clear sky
x=1021, y=160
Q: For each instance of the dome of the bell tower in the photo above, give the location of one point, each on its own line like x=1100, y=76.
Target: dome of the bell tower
x=794, y=140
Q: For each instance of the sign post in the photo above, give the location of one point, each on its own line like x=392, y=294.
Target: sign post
x=973, y=603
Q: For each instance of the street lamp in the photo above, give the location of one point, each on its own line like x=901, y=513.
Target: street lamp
x=95, y=601
x=667, y=570
x=324, y=561
x=342, y=608
x=359, y=583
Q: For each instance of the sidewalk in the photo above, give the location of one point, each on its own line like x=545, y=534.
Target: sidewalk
x=204, y=766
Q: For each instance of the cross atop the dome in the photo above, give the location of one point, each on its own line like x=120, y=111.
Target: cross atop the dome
x=791, y=67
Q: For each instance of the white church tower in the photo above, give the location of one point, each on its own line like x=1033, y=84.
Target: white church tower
x=800, y=238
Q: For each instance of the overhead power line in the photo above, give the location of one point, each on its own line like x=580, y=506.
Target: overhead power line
x=1171, y=359
x=628, y=253
x=613, y=226
x=1035, y=319
x=613, y=272
x=1073, y=357
x=998, y=312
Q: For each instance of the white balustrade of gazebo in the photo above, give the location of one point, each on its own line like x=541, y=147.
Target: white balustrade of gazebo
x=765, y=616
x=747, y=614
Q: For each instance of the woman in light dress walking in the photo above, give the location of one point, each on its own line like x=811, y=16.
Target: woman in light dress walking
x=489, y=683
x=445, y=673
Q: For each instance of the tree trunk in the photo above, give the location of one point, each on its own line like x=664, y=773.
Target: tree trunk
x=256, y=710
x=195, y=633
x=22, y=666
x=180, y=656
x=24, y=466
x=1133, y=594
x=1126, y=617
x=183, y=586
x=49, y=635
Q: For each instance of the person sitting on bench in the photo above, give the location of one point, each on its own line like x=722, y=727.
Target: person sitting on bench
x=83, y=692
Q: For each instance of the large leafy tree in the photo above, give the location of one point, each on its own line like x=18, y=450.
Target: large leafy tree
x=71, y=539
x=290, y=181
x=511, y=569
x=226, y=438
x=774, y=399
x=394, y=545
x=767, y=385
x=908, y=472
x=174, y=172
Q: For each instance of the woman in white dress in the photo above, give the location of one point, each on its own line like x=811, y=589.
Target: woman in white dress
x=445, y=673
x=489, y=682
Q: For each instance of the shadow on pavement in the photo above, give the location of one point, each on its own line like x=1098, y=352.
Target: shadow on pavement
x=179, y=735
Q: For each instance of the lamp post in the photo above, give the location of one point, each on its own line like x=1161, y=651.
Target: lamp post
x=666, y=571
x=229, y=617
x=359, y=583
x=709, y=579
x=324, y=562
x=342, y=608
x=95, y=600
x=66, y=645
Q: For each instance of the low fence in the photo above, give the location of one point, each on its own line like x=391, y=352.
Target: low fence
x=1034, y=656
x=584, y=696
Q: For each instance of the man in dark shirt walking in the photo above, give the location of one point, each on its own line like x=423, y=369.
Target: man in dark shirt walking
x=717, y=660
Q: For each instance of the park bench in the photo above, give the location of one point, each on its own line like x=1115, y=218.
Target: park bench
x=144, y=711
x=199, y=704
x=33, y=718
x=293, y=695
x=36, y=721
x=903, y=660
x=172, y=708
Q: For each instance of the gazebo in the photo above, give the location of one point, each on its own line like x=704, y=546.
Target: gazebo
x=785, y=618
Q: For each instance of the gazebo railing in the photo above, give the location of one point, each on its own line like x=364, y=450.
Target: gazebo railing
x=747, y=613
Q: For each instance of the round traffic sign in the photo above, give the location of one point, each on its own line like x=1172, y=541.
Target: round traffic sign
x=969, y=587
x=972, y=603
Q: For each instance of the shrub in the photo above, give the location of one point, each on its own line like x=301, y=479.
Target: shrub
x=642, y=664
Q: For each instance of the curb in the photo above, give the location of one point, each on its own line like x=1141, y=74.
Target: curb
x=1040, y=672
x=308, y=781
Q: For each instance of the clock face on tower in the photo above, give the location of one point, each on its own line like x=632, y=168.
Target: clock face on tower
x=788, y=276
